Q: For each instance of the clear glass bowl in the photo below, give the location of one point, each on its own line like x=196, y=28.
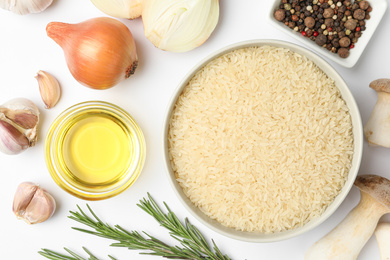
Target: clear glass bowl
x=94, y=150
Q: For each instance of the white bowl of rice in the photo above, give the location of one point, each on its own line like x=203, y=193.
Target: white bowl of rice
x=262, y=141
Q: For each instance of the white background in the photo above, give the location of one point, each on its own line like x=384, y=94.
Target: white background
x=25, y=49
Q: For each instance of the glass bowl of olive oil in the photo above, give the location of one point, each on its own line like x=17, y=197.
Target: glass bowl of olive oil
x=94, y=150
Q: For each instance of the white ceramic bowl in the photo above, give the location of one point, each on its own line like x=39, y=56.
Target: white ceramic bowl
x=357, y=133
x=378, y=10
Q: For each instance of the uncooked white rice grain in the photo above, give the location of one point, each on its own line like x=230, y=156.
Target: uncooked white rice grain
x=261, y=140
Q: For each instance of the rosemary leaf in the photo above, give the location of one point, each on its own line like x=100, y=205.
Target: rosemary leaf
x=58, y=256
x=194, y=246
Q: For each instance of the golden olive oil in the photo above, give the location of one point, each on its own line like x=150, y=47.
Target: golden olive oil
x=96, y=150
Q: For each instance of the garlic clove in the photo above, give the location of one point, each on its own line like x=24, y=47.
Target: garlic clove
x=181, y=25
x=19, y=121
x=24, y=194
x=25, y=6
x=11, y=140
x=129, y=9
x=49, y=88
x=22, y=118
x=41, y=207
x=32, y=203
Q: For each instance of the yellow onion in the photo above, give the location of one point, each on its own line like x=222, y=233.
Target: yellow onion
x=99, y=52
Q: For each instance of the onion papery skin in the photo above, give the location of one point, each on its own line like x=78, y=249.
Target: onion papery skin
x=100, y=52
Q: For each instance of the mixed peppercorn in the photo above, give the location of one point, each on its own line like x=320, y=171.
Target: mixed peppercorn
x=333, y=24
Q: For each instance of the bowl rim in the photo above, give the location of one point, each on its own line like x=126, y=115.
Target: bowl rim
x=133, y=171
x=357, y=129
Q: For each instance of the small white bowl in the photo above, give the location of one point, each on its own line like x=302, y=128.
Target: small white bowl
x=357, y=133
x=378, y=10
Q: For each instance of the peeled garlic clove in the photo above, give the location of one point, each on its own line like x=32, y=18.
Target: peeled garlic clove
x=32, y=203
x=19, y=120
x=179, y=25
x=49, y=88
x=25, y=6
x=129, y=9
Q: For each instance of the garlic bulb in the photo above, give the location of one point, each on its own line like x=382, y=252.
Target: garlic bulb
x=179, y=25
x=129, y=9
x=18, y=125
x=32, y=203
x=49, y=88
x=25, y=6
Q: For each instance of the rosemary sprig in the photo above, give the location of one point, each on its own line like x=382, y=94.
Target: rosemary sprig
x=193, y=244
x=57, y=256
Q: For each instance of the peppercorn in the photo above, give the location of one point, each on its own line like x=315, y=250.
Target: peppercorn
x=287, y=7
x=359, y=14
x=355, y=6
x=344, y=42
x=364, y=5
x=328, y=22
x=347, y=2
x=342, y=9
x=321, y=39
x=309, y=22
x=335, y=42
x=350, y=24
x=332, y=24
x=328, y=13
x=279, y=15
x=343, y=53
